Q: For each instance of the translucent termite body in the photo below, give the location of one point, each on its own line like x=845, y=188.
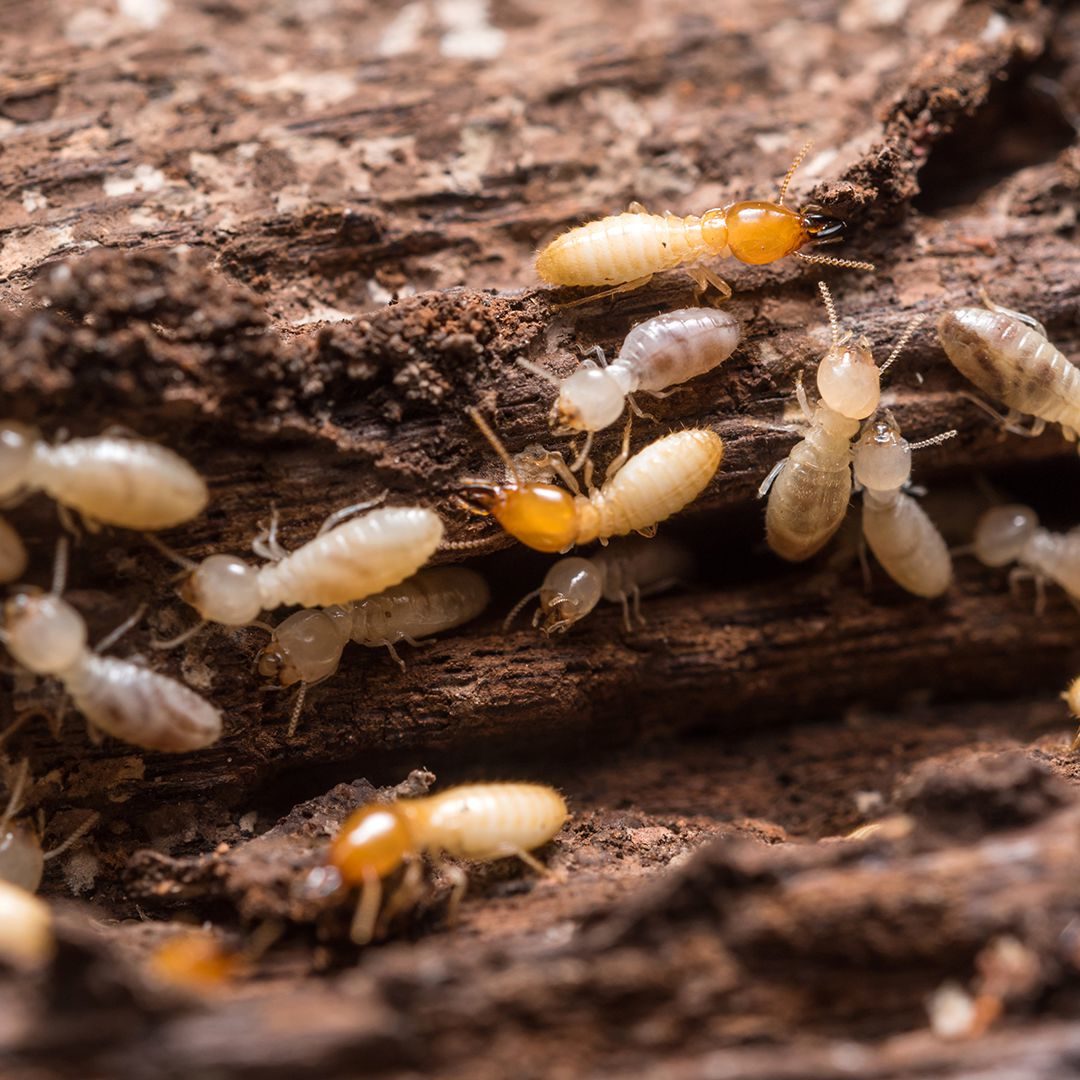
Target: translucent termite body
x=625, y=250
x=1012, y=534
x=658, y=481
x=13, y=558
x=109, y=480
x=482, y=822
x=26, y=932
x=659, y=353
x=897, y=529
x=1006, y=354
x=307, y=647
x=47, y=636
x=352, y=560
x=810, y=490
x=621, y=573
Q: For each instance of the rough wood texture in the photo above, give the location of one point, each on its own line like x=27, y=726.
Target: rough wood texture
x=202, y=224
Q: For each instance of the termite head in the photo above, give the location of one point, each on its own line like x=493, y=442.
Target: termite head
x=223, y=589
x=16, y=455
x=882, y=457
x=762, y=232
x=306, y=647
x=571, y=589
x=589, y=400
x=1002, y=532
x=848, y=380
x=44, y=633
x=373, y=842
x=541, y=516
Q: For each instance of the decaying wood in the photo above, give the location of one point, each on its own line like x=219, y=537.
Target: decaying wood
x=202, y=224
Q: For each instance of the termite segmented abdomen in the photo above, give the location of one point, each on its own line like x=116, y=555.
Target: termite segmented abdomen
x=140, y=706
x=125, y=482
x=12, y=553
x=356, y=559
x=486, y=821
x=907, y=544
x=809, y=498
x=429, y=602
x=677, y=346
x=620, y=248
x=655, y=483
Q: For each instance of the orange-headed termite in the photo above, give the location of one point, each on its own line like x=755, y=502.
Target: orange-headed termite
x=625, y=250
x=655, y=483
x=109, y=480
x=481, y=822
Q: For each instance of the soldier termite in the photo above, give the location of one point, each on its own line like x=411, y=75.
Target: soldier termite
x=108, y=479
x=625, y=250
x=12, y=554
x=1012, y=534
x=344, y=562
x=661, y=352
x=621, y=573
x=482, y=822
x=655, y=483
x=47, y=636
x=306, y=647
x=897, y=529
x=1007, y=355
x=809, y=490
x=22, y=858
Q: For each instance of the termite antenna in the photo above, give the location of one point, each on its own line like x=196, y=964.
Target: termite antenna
x=298, y=705
x=173, y=642
x=934, y=440
x=515, y=611
x=540, y=372
x=15, y=799
x=830, y=307
x=172, y=556
x=489, y=433
x=905, y=337
x=828, y=260
x=338, y=516
x=60, y=567
x=791, y=172
x=74, y=838
x=111, y=638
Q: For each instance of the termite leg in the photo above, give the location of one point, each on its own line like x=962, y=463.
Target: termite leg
x=803, y=400
x=624, y=600
x=67, y=521
x=638, y=410
x=95, y=735
x=554, y=460
x=583, y=457
x=1019, y=574
x=367, y=909
x=769, y=480
x=636, y=208
x=531, y=861
x=626, y=286
x=459, y=882
x=635, y=596
x=648, y=532
x=704, y=277
x=405, y=896
x=266, y=544
x=394, y=655
x=600, y=361
x=1008, y=421
x=618, y=462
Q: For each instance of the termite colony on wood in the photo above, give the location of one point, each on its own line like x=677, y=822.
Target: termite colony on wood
x=363, y=578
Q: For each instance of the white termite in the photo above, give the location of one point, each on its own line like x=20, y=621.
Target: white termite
x=12, y=553
x=1012, y=534
x=1008, y=356
x=897, y=529
x=621, y=573
x=108, y=479
x=810, y=489
x=26, y=928
x=306, y=647
x=47, y=636
x=344, y=562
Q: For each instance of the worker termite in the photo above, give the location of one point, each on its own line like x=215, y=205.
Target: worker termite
x=26, y=933
x=108, y=479
x=897, y=529
x=621, y=573
x=655, y=483
x=625, y=250
x=1007, y=355
x=12, y=554
x=809, y=490
x=344, y=562
x=1007, y=534
x=659, y=353
x=482, y=822
x=306, y=647
x=47, y=636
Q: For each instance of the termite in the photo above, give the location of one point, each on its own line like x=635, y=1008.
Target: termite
x=1012, y=534
x=1007, y=355
x=659, y=353
x=197, y=962
x=482, y=822
x=306, y=647
x=621, y=573
x=897, y=529
x=344, y=562
x=658, y=481
x=1072, y=699
x=108, y=479
x=47, y=636
x=26, y=929
x=625, y=250
x=809, y=490
x=13, y=558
